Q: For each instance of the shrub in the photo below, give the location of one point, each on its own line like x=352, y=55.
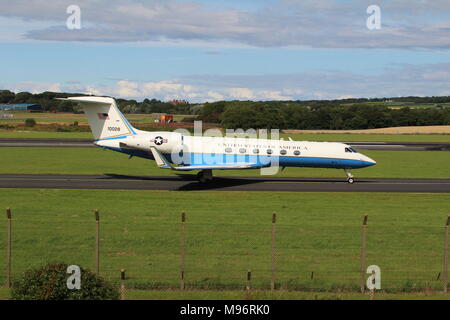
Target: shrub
x=30, y=122
x=50, y=283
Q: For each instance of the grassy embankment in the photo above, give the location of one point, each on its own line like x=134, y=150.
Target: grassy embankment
x=318, y=237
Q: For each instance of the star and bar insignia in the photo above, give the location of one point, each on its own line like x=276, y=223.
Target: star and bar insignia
x=159, y=140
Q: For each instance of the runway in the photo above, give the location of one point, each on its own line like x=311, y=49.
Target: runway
x=188, y=183
x=87, y=143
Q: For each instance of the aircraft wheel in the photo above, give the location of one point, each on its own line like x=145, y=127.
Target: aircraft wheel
x=350, y=180
x=201, y=177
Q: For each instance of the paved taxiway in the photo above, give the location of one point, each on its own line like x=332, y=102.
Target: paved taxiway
x=87, y=143
x=188, y=182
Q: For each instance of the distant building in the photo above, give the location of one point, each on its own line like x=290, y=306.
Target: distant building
x=23, y=107
x=166, y=118
x=175, y=102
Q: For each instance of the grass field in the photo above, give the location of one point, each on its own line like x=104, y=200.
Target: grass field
x=318, y=234
x=343, y=137
x=390, y=164
x=81, y=118
x=318, y=237
x=354, y=137
x=135, y=294
x=398, y=104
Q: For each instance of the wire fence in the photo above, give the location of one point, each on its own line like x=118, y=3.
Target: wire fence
x=187, y=255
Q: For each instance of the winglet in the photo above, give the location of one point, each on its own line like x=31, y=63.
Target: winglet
x=161, y=161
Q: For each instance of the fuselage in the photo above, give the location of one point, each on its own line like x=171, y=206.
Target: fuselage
x=199, y=150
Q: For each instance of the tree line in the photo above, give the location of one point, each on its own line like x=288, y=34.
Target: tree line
x=49, y=103
x=300, y=115
x=354, y=113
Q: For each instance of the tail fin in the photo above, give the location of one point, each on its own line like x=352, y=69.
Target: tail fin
x=105, y=119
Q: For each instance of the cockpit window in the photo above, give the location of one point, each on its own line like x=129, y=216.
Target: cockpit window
x=351, y=150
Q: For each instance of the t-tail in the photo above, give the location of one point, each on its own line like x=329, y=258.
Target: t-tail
x=105, y=119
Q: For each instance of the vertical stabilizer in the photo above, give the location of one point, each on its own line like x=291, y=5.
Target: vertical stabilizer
x=105, y=119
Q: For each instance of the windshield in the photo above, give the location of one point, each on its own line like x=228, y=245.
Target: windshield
x=350, y=149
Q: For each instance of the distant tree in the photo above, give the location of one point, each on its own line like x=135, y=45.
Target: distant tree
x=30, y=122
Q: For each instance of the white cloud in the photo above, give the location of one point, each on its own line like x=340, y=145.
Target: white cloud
x=241, y=93
x=402, y=80
x=33, y=87
x=314, y=23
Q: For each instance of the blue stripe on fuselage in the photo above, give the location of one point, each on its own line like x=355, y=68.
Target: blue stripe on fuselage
x=284, y=161
x=199, y=159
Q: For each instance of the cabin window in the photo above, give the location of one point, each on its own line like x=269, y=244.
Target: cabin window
x=255, y=150
x=296, y=152
x=228, y=150
x=269, y=151
x=242, y=150
x=283, y=152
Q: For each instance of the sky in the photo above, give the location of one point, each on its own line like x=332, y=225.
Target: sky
x=211, y=50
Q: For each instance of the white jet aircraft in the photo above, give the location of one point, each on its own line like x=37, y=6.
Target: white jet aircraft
x=184, y=153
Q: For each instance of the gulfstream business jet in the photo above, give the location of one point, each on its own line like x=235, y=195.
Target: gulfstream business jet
x=180, y=152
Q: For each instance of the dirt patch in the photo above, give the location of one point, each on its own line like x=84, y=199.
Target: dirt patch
x=391, y=130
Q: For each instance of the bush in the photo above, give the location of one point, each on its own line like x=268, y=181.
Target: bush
x=50, y=283
x=30, y=122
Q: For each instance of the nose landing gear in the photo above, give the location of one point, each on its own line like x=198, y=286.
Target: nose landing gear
x=349, y=176
x=204, y=176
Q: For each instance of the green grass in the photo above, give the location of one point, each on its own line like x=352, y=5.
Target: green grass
x=399, y=104
x=45, y=135
x=229, y=233
x=19, y=117
x=341, y=137
x=355, y=137
x=390, y=164
x=4, y=293
x=269, y=295
x=135, y=294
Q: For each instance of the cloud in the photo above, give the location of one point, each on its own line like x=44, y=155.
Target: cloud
x=398, y=80
x=33, y=87
x=312, y=23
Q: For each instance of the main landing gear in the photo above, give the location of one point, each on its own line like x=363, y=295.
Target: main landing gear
x=204, y=176
x=349, y=176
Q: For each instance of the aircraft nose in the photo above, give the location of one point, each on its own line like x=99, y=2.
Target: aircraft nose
x=369, y=161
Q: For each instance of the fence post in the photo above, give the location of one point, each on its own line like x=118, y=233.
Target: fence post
x=122, y=284
x=274, y=220
x=97, y=241
x=249, y=279
x=363, y=252
x=445, y=269
x=182, y=249
x=8, y=248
